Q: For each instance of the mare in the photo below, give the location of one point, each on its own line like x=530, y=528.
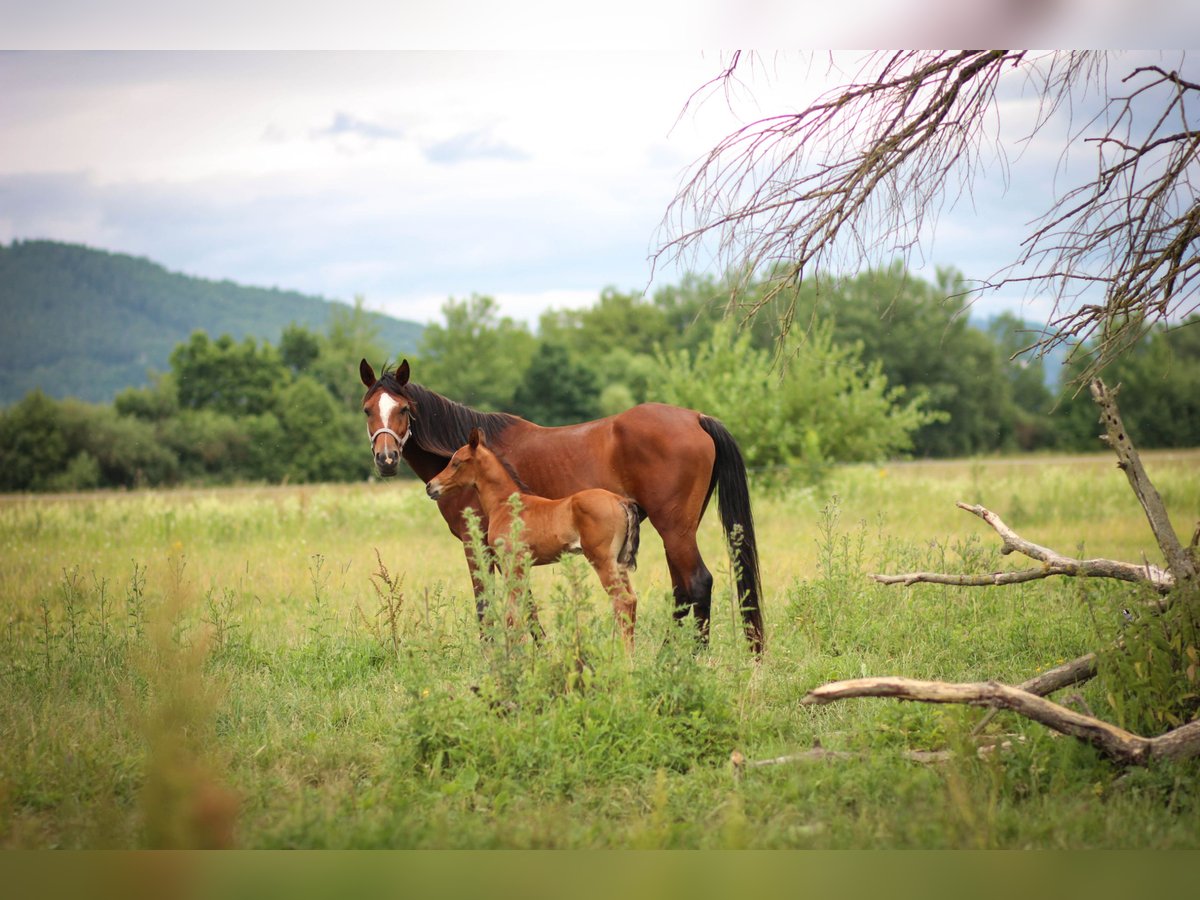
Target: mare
x=667, y=459
x=594, y=522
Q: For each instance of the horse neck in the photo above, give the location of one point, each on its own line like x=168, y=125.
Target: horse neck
x=425, y=464
x=492, y=482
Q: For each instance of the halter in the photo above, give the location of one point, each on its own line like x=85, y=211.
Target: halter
x=400, y=441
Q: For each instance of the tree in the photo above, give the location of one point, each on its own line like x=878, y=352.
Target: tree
x=920, y=334
x=865, y=168
x=352, y=334
x=32, y=446
x=556, y=390
x=616, y=321
x=331, y=446
x=299, y=348
x=1030, y=398
x=1160, y=390
x=1151, y=668
x=228, y=376
x=477, y=357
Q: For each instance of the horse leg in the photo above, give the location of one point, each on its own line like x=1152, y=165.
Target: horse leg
x=691, y=582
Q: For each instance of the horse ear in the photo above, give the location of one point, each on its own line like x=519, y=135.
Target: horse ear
x=366, y=373
x=402, y=373
x=475, y=439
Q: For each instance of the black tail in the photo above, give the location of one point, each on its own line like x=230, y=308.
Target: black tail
x=633, y=535
x=729, y=478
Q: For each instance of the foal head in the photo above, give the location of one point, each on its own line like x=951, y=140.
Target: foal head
x=389, y=414
x=463, y=468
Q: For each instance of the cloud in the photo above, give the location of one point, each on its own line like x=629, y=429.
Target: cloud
x=346, y=125
x=471, y=146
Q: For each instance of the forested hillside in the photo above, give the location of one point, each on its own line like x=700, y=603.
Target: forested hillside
x=85, y=323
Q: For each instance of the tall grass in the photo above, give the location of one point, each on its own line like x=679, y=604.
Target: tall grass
x=303, y=667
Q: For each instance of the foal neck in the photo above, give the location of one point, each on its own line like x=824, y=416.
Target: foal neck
x=493, y=482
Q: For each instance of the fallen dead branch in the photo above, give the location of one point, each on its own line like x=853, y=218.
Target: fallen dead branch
x=1053, y=563
x=739, y=764
x=1116, y=743
x=1076, y=671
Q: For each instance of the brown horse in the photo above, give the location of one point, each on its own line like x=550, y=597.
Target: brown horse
x=666, y=459
x=594, y=522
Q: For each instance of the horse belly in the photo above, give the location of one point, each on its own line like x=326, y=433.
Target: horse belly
x=552, y=547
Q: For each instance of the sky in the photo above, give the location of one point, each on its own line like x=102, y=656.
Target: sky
x=406, y=177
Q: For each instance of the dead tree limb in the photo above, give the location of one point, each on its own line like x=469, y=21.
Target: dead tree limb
x=739, y=764
x=1180, y=563
x=1053, y=563
x=1116, y=743
x=1076, y=671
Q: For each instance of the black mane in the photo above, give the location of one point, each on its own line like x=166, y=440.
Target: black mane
x=441, y=426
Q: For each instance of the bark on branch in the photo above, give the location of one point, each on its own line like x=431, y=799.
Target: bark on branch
x=1116, y=743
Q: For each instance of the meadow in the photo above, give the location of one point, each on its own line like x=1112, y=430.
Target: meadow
x=301, y=667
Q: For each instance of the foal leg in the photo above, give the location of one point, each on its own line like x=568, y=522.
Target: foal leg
x=477, y=583
x=481, y=602
x=615, y=579
x=624, y=601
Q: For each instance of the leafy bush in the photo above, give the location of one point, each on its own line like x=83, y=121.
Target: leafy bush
x=816, y=404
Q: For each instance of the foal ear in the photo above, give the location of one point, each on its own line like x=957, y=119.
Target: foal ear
x=401, y=373
x=475, y=438
x=366, y=373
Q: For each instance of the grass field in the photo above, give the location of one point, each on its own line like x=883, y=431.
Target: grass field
x=232, y=667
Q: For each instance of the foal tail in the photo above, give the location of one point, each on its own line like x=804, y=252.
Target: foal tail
x=729, y=478
x=627, y=556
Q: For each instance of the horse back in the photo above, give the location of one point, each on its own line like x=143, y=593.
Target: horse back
x=644, y=453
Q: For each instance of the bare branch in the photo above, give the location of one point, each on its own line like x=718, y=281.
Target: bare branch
x=774, y=202
x=1053, y=563
x=1116, y=743
x=739, y=764
x=1076, y=671
x=857, y=175
x=1180, y=562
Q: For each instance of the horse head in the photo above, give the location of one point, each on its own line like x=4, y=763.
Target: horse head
x=389, y=414
x=461, y=471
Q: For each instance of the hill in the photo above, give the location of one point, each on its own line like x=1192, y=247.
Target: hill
x=86, y=323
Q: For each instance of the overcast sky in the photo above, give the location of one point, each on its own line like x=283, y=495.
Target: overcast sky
x=409, y=177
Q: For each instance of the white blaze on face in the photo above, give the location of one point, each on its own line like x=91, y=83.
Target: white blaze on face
x=387, y=405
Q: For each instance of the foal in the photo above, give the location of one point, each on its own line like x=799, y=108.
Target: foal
x=597, y=523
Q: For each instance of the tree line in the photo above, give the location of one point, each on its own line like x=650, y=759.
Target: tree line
x=879, y=366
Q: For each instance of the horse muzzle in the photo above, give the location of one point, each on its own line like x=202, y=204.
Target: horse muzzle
x=387, y=464
x=434, y=490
